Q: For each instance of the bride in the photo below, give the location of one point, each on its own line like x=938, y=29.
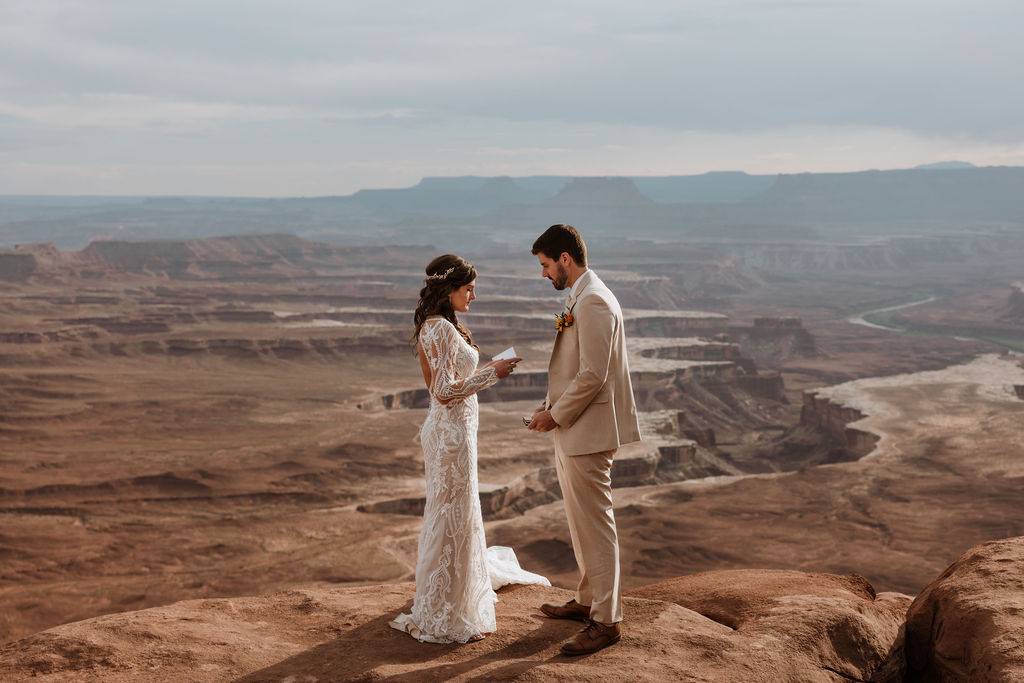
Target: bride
x=455, y=572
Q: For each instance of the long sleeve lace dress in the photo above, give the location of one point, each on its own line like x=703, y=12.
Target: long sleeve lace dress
x=456, y=573
x=454, y=600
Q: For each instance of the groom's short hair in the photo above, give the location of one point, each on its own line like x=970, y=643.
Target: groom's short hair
x=561, y=238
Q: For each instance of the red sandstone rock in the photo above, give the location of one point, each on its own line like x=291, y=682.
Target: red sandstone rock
x=968, y=624
x=789, y=626
x=796, y=626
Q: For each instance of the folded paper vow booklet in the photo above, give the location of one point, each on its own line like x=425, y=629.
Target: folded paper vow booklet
x=510, y=352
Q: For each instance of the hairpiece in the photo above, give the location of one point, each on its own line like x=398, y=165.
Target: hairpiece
x=441, y=276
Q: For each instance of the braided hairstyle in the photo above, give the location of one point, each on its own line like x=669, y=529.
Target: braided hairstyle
x=445, y=274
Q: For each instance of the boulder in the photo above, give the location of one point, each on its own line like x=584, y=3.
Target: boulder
x=968, y=624
x=796, y=626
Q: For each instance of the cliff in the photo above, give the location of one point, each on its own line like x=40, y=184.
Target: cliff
x=763, y=625
x=721, y=626
x=821, y=413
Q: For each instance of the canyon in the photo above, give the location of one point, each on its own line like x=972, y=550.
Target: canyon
x=228, y=427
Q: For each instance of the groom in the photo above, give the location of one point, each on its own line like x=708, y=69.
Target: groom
x=590, y=408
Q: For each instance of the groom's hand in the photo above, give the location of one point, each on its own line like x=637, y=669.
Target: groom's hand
x=542, y=421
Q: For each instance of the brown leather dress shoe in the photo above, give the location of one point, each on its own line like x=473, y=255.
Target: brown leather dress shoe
x=594, y=637
x=570, y=610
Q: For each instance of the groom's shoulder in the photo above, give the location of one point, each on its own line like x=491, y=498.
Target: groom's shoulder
x=597, y=285
x=601, y=297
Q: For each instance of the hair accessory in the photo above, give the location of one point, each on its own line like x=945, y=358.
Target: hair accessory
x=441, y=276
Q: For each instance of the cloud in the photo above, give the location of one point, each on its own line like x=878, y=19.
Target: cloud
x=459, y=79
x=125, y=112
x=296, y=160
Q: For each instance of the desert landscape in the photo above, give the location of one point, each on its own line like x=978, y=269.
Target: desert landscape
x=228, y=416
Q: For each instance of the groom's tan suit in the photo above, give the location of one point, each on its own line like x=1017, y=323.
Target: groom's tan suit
x=591, y=398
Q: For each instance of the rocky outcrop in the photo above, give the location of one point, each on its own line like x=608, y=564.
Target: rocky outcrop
x=834, y=419
x=968, y=624
x=797, y=626
x=767, y=625
x=782, y=626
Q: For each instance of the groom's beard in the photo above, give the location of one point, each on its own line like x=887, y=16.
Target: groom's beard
x=561, y=278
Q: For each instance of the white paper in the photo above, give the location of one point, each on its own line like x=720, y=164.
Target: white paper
x=510, y=352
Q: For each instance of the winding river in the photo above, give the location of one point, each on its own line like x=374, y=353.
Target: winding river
x=859, y=319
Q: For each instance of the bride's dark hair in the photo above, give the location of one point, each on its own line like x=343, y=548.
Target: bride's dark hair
x=445, y=274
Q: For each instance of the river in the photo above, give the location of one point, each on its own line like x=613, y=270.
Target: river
x=859, y=319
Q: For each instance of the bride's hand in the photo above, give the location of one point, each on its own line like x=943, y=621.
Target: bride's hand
x=505, y=366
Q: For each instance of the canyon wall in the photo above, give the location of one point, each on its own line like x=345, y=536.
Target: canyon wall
x=834, y=419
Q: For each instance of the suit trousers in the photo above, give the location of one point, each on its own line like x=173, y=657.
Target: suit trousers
x=587, y=490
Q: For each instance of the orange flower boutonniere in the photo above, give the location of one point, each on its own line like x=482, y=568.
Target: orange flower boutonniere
x=563, y=320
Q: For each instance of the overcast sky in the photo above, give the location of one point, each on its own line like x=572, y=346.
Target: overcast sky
x=321, y=97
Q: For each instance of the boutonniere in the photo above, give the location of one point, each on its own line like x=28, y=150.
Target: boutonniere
x=563, y=320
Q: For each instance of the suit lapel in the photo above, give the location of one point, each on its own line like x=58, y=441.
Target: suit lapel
x=587, y=280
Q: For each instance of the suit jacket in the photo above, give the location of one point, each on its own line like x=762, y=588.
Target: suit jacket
x=590, y=395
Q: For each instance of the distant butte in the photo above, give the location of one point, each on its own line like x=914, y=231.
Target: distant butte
x=600, y=192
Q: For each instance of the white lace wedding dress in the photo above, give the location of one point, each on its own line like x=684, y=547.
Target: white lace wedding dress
x=456, y=574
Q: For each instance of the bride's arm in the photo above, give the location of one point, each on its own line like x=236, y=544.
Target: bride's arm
x=440, y=345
